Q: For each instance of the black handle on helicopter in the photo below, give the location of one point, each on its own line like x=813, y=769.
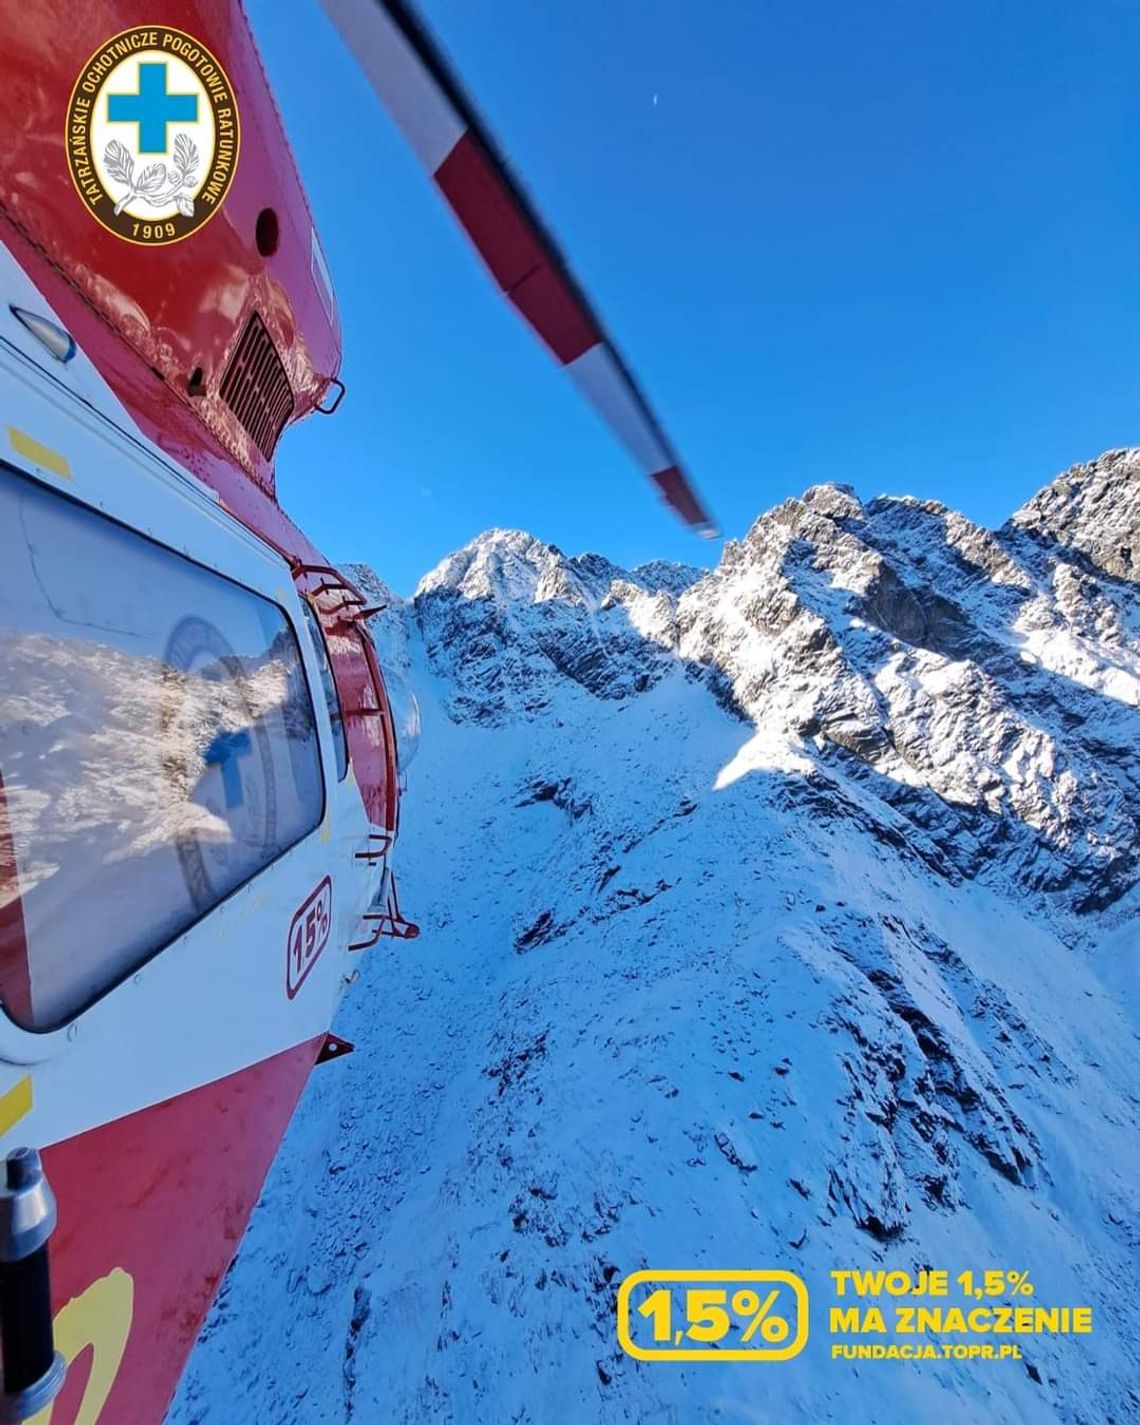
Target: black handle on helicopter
x=33, y=1371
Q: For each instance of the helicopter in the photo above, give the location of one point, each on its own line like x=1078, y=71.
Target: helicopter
x=202, y=759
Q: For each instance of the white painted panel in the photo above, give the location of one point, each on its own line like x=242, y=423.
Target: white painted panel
x=215, y=1000
x=398, y=76
x=600, y=380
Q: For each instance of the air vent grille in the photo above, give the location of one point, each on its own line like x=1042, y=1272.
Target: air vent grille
x=256, y=388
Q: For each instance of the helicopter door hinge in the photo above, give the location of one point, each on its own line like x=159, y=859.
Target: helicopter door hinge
x=379, y=844
x=386, y=918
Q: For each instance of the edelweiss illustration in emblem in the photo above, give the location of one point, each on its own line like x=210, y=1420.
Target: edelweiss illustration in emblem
x=154, y=185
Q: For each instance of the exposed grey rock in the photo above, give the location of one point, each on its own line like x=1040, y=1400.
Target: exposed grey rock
x=1093, y=509
x=982, y=685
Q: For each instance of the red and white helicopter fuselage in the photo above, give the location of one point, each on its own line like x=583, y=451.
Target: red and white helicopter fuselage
x=186, y=853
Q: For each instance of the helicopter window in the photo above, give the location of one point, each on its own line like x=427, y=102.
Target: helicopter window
x=158, y=748
x=405, y=717
x=332, y=697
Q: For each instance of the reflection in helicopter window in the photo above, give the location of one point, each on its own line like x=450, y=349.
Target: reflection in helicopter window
x=157, y=748
x=328, y=684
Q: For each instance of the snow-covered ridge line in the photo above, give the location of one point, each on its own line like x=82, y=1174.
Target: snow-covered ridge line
x=983, y=684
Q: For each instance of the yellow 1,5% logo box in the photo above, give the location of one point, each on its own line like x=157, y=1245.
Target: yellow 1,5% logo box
x=712, y=1315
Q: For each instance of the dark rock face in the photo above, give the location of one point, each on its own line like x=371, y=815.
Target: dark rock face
x=510, y=620
x=982, y=685
x=1092, y=510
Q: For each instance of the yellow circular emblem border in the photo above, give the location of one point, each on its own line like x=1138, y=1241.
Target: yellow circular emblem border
x=69, y=134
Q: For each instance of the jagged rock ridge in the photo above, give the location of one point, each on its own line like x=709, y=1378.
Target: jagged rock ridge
x=981, y=685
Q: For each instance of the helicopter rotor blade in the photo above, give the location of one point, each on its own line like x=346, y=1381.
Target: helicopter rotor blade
x=416, y=84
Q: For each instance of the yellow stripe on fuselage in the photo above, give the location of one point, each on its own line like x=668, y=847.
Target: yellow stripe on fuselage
x=39, y=454
x=15, y=1104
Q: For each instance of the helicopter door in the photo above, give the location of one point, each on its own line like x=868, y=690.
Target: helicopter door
x=155, y=752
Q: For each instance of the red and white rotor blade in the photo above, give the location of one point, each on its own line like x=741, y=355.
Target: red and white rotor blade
x=414, y=82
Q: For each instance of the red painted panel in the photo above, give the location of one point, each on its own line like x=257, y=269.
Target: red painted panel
x=508, y=243
x=177, y=307
x=552, y=310
x=679, y=494
x=165, y=1195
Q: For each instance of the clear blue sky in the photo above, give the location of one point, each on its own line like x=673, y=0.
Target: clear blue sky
x=893, y=244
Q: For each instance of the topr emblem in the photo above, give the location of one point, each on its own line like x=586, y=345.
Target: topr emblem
x=153, y=135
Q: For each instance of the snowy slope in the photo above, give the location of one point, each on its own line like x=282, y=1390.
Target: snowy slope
x=782, y=915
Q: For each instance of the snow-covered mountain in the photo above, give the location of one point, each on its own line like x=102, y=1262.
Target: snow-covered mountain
x=778, y=915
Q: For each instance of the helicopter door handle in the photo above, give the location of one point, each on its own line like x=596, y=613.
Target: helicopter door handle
x=337, y=399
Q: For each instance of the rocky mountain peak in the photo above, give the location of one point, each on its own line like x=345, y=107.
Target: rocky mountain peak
x=1094, y=510
x=980, y=684
x=512, y=566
